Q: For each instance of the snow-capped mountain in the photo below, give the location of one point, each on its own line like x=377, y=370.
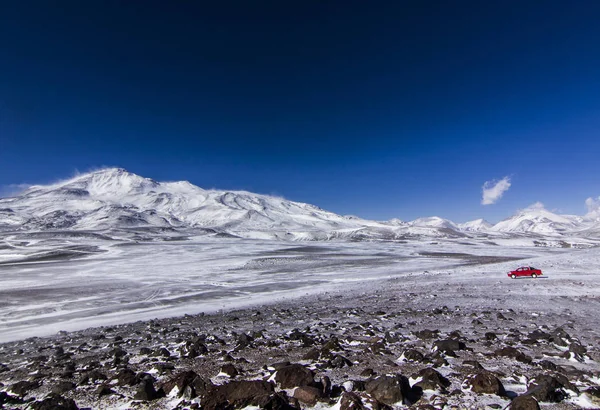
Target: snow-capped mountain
x=478, y=225
x=114, y=199
x=536, y=219
x=434, y=222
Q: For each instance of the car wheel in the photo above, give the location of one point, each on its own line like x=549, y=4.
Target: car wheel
x=533, y=275
x=513, y=276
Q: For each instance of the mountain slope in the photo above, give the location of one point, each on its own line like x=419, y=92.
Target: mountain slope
x=116, y=198
x=536, y=219
x=478, y=225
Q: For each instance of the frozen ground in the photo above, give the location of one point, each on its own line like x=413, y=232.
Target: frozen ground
x=48, y=285
x=378, y=300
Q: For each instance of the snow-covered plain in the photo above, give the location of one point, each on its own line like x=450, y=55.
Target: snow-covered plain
x=46, y=287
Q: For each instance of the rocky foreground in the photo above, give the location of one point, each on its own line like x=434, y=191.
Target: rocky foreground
x=377, y=349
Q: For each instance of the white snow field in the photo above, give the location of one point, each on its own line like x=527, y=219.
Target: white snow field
x=46, y=288
x=110, y=247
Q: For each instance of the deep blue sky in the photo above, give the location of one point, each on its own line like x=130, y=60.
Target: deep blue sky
x=378, y=109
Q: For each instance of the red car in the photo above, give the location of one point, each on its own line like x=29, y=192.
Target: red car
x=525, y=271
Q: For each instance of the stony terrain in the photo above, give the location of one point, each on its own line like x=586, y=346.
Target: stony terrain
x=421, y=342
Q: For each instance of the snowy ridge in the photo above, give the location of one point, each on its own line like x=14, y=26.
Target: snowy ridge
x=114, y=198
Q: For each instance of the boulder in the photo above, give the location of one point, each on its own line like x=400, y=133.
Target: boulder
x=412, y=355
x=229, y=369
x=448, y=345
x=389, y=389
x=430, y=379
x=23, y=388
x=593, y=395
x=513, y=353
x=308, y=394
x=237, y=394
x=6, y=398
x=54, y=402
x=524, y=403
x=426, y=334
x=485, y=382
x=63, y=386
x=146, y=391
x=294, y=375
x=126, y=377
x=188, y=384
x=354, y=401
x=546, y=388
x=104, y=390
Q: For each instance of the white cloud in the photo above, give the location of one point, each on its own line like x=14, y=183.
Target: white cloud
x=536, y=206
x=593, y=205
x=493, y=190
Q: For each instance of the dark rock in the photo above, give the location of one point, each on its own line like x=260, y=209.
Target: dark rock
x=277, y=401
x=162, y=352
x=91, y=376
x=279, y=365
x=6, y=398
x=368, y=372
x=546, y=388
x=577, y=348
x=430, y=380
x=354, y=401
x=339, y=362
x=145, y=351
x=118, y=353
x=378, y=348
x=426, y=334
x=437, y=360
x=412, y=355
x=104, y=390
x=391, y=337
x=23, y=388
x=146, y=392
x=389, y=389
x=141, y=376
x=332, y=345
x=229, y=370
x=513, y=353
x=485, y=382
x=237, y=394
x=126, y=377
x=308, y=394
x=312, y=354
x=448, y=345
x=294, y=375
x=547, y=365
x=490, y=336
x=193, y=348
x=560, y=337
x=566, y=383
x=593, y=395
x=538, y=335
x=351, y=401
x=325, y=385
x=164, y=367
x=188, y=384
x=63, y=386
x=524, y=403
x=54, y=402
